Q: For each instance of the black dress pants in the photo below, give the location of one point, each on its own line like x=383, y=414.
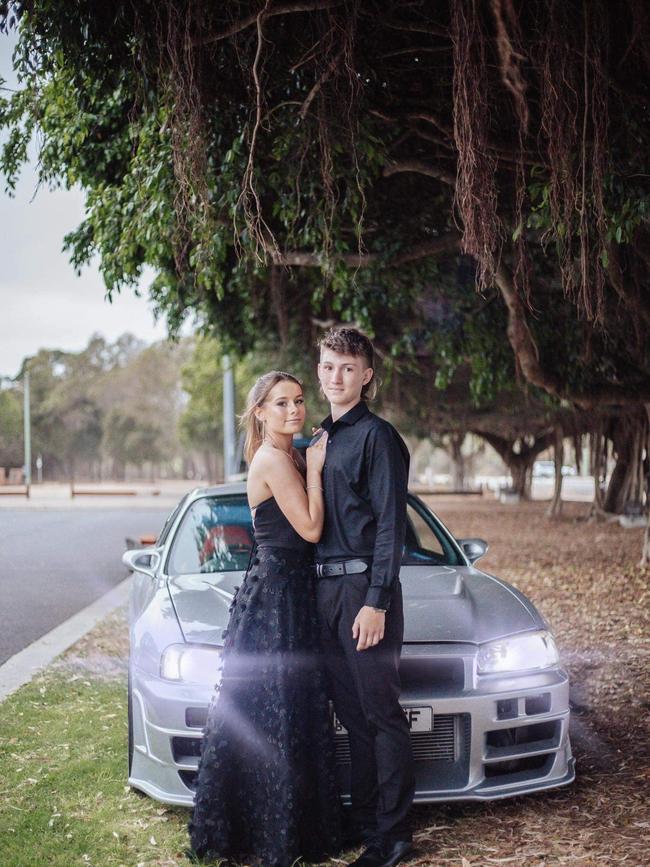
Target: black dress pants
x=365, y=688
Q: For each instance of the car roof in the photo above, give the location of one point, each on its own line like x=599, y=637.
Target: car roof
x=218, y=490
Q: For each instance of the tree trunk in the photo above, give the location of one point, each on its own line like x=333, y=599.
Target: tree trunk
x=521, y=466
x=628, y=436
x=519, y=456
x=555, y=508
x=598, y=468
x=456, y=441
x=616, y=495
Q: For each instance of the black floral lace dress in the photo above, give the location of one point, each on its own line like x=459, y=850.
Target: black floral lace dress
x=266, y=789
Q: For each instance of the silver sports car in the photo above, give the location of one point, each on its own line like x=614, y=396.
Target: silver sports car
x=483, y=688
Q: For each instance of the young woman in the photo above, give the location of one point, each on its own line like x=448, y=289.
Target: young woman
x=266, y=784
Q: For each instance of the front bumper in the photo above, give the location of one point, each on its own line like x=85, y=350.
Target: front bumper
x=492, y=737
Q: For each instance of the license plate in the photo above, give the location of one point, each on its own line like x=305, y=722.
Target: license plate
x=420, y=719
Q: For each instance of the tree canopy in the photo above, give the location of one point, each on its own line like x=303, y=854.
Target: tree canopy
x=286, y=164
x=465, y=180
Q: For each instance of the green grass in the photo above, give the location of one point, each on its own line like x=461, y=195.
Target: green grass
x=63, y=794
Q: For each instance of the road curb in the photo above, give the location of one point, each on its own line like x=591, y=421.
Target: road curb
x=21, y=668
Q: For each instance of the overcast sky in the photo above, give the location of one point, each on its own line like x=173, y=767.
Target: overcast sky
x=43, y=304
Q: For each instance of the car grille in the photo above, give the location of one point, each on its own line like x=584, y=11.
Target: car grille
x=424, y=676
x=442, y=744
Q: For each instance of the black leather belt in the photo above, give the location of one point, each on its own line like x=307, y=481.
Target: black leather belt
x=347, y=567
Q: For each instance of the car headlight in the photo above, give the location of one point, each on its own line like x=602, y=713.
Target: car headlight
x=529, y=651
x=191, y=663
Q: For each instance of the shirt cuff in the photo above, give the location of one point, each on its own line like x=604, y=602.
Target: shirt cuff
x=378, y=597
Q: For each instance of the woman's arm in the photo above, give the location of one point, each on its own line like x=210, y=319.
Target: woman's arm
x=304, y=508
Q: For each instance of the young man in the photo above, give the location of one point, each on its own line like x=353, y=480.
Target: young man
x=365, y=479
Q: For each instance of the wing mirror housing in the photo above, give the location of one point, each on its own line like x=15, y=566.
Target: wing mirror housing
x=145, y=560
x=474, y=549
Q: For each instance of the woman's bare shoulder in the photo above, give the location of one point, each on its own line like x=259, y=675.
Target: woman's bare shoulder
x=265, y=465
x=262, y=459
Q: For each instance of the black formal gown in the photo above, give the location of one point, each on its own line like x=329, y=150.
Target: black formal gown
x=266, y=788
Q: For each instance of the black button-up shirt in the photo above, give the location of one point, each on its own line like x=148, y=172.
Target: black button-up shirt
x=365, y=480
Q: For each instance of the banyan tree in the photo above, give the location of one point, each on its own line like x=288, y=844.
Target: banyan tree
x=285, y=164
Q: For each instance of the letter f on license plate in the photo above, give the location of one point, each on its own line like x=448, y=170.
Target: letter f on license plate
x=420, y=719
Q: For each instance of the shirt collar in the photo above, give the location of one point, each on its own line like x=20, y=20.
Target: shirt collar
x=351, y=417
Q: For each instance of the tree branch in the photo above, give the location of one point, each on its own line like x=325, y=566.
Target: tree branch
x=525, y=350
x=282, y=9
x=434, y=121
x=500, y=444
x=422, y=49
x=500, y=151
x=414, y=27
x=331, y=67
x=432, y=247
x=420, y=168
x=503, y=446
x=440, y=140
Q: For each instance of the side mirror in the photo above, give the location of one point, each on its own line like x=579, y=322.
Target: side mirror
x=473, y=549
x=145, y=560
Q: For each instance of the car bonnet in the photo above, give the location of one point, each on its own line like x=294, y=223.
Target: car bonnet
x=441, y=603
x=445, y=603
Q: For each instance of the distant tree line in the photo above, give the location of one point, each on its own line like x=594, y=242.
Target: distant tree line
x=119, y=410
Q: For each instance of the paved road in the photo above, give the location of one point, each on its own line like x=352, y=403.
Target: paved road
x=55, y=562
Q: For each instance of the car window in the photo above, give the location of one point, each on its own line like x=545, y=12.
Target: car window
x=215, y=535
x=425, y=540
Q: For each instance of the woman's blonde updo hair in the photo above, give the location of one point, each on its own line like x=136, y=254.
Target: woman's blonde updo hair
x=256, y=396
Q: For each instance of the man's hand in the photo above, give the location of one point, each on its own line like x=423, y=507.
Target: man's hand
x=368, y=627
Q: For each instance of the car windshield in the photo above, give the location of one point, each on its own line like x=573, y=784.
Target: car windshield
x=215, y=535
x=426, y=541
